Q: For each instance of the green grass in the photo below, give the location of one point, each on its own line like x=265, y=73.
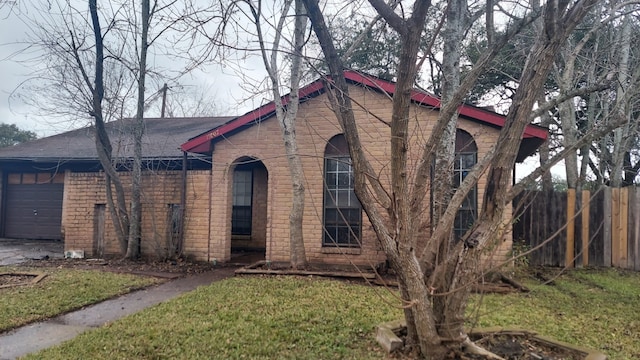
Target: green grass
x=301, y=318
x=253, y=318
x=61, y=291
x=599, y=309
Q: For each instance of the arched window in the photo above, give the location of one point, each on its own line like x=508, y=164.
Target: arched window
x=342, y=210
x=466, y=156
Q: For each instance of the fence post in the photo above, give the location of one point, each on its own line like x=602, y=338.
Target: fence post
x=615, y=227
x=607, y=238
x=586, y=196
x=624, y=226
x=571, y=211
x=634, y=228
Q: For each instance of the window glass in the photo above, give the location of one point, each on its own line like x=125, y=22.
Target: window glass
x=242, y=195
x=342, y=210
x=466, y=157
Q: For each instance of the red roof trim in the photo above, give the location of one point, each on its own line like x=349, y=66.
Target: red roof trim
x=422, y=98
x=264, y=110
x=201, y=142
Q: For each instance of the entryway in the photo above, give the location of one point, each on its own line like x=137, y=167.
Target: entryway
x=249, y=211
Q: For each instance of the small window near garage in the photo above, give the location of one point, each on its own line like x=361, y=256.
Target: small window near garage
x=58, y=178
x=342, y=210
x=28, y=178
x=44, y=178
x=14, y=179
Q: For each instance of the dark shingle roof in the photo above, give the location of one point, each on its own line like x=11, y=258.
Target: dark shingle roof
x=162, y=140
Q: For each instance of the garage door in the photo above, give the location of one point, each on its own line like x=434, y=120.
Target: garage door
x=33, y=211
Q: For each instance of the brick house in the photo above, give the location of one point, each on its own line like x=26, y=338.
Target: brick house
x=226, y=189
x=251, y=188
x=53, y=188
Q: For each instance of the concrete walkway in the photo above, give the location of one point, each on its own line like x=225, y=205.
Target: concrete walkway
x=38, y=336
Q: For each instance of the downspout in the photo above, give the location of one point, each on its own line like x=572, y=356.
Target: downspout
x=3, y=202
x=270, y=201
x=183, y=205
x=210, y=190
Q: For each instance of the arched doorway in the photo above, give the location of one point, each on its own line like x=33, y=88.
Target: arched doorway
x=249, y=210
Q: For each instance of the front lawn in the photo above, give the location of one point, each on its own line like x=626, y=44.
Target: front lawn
x=310, y=318
x=61, y=291
x=599, y=309
x=246, y=317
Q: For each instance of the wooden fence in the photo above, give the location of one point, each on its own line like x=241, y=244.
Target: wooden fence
x=592, y=228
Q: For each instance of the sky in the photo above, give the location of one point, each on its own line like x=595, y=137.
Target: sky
x=218, y=84
x=12, y=73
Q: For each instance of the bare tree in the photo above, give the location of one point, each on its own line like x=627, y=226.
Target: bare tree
x=286, y=113
x=590, y=59
x=624, y=139
x=119, y=213
x=135, y=230
x=273, y=45
x=396, y=212
x=96, y=65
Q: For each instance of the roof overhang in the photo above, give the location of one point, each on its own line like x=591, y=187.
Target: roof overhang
x=532, y=138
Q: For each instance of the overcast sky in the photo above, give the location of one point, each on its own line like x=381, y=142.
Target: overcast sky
x=219, y=84
x=12, y=73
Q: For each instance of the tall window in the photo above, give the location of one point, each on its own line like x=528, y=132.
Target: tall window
x=242, y=195
x=342, y=210
x=466, y=157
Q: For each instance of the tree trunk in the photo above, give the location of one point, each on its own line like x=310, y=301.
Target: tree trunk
x=135, y=230
x=567, y=116
x=547, y=180
x=621, y=135
x=286, y=116
x=398, y=233
x=444, y=307
x=117, y=209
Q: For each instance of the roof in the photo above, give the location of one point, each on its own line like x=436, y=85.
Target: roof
x=162, y=140
x=533, y=136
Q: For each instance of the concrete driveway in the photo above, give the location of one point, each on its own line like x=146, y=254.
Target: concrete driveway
x=18, y=251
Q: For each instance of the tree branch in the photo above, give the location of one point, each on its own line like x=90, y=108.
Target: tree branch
x=393, y=19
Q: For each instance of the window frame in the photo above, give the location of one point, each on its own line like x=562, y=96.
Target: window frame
x=469, y=208
x=242, y=213
x=341, y=209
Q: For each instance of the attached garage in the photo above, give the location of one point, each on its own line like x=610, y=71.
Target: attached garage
x=32, y=174
x=33, y=204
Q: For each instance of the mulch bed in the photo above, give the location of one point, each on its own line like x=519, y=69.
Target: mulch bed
x=510, y=346
x=525, y=347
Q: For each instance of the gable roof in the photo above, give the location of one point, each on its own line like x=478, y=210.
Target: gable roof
x=533, y=136
x=162, y=140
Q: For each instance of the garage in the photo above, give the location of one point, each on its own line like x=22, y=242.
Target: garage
x=33, y=204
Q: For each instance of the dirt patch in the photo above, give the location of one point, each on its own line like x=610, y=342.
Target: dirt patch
x=163, y=269
x=510, y=345
x=266, y=268
x=19, y=279
x=525, y=347
x=7, y=280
